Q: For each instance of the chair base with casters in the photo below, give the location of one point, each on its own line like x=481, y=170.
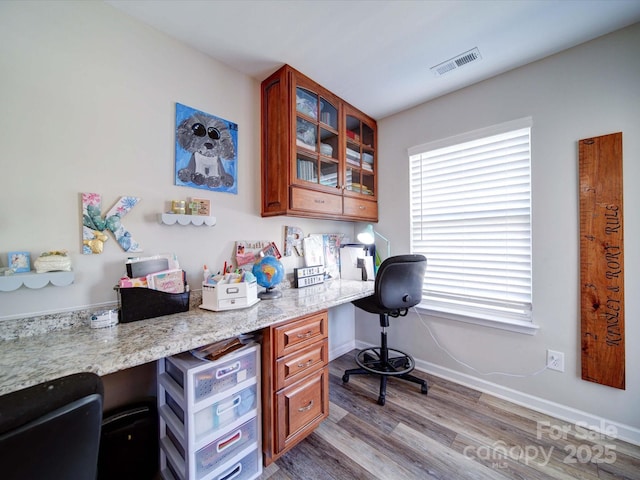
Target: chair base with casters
x=385, y=362
x=398, y=287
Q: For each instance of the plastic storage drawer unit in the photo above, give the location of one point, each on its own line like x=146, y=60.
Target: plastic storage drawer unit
x=210, y=423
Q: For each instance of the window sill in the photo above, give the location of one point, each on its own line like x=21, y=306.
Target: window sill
x=511, y=325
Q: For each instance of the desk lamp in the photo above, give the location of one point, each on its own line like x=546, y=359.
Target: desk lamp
x=367, y=236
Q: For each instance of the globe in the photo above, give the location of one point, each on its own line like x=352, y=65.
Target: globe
x=269, y=272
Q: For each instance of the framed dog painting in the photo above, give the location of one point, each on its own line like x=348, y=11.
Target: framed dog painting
x=206, y=151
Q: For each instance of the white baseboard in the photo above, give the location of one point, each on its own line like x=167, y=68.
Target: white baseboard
x=340, y=350
x=625, y=433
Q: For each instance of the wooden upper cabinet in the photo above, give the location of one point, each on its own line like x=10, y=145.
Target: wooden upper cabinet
x=318, y=152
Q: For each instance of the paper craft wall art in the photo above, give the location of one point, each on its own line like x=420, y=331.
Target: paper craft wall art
x=293, y=241
x=206, y=151
x=95, y=226
x=248, y=251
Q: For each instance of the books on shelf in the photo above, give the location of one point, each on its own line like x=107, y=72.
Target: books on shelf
x=353, y=154
x=353, y=135
x=306, y=170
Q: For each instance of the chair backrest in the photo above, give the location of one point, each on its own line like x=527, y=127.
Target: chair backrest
x=52, y=430
x=399, y=281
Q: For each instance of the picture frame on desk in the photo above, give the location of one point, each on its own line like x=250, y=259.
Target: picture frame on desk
x=19, y=262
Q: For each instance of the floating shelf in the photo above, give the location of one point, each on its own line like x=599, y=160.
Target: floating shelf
x=173, y=218
x=32, y=279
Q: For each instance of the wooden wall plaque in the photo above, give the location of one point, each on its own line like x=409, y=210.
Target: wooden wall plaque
x=602, y=260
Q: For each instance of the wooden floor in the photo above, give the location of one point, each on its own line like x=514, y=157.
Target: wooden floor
x=454, y=433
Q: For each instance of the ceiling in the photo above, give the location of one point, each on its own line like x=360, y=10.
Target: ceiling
x=377, y=54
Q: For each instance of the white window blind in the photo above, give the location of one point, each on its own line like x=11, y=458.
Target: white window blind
x=471, y=218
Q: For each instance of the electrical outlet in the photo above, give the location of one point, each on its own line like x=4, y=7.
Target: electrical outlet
x=555, y=360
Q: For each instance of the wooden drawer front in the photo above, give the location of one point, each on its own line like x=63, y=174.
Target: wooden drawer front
x=312, y=201
x=355, y=207
x=294, y=366
x=301, y=407
x=298, y=334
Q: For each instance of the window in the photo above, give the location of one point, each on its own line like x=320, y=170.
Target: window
x=471, y=218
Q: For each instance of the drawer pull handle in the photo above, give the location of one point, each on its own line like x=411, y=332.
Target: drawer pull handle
x=316, y=200
x=303, y=365
x=233, y=473
x=224, y=407
x=305, y=335
x=362, y=207
x=230, y=440
x=227, y=370
x=306, y=408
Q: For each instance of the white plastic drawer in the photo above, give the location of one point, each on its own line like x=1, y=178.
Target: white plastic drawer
x=244, y=469
x=212, y=378
x=244, y=466
x=225, y=376
x=208, y=458
x=225, y=411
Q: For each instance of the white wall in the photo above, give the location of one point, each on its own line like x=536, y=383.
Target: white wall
x=88, y=105
x=587, y=91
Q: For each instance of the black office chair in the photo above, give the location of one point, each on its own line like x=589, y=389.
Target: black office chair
x=52, y=430
x=398, y=286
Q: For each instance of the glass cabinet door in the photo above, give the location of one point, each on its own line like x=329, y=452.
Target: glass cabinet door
x=316, y=139
x=359, y=157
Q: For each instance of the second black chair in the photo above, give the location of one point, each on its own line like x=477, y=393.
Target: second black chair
x=398, y=287
x=52, y=430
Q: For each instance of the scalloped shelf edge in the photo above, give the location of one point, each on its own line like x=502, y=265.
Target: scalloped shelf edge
x=33, y=280
x=173, y=218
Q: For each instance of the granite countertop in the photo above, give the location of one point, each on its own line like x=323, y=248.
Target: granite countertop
x=46, y=355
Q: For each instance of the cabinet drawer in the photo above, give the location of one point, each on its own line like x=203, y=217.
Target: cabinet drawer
x=301, y=407
x=313, y=201
x=298, y=334
x=355, y=207
x=291, y=368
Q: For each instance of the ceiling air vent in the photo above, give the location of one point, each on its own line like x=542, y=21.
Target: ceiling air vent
x=457, y=62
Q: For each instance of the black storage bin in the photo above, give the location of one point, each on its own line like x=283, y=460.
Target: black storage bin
x=139, y=303
x=129, y=445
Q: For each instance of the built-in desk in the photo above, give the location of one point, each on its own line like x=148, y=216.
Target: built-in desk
x=44, y=356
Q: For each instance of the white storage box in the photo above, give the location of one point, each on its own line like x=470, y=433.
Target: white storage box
x=229, y=296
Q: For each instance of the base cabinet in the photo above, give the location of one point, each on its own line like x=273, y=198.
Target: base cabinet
x=295, y=382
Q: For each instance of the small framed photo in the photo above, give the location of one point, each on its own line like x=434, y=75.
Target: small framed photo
x=19, y=261
x=200, y=206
